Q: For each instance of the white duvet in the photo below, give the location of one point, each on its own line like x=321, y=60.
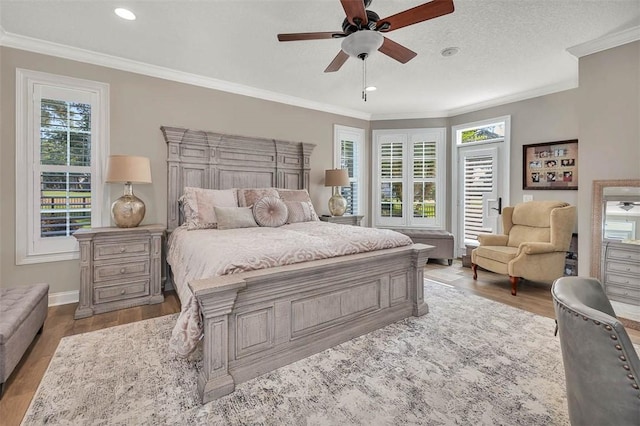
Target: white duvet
x=206, y=253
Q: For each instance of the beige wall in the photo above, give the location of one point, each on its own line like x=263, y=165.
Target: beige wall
x=139, y=106
x=543, y=119
x=603, y=113
x=608, y=106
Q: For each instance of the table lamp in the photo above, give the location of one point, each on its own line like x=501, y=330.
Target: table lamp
x=128, y=210
x=337, y=178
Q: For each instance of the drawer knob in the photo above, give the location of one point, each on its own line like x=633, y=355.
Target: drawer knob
x=122, y=249
x=122, y=271
x=123, y=291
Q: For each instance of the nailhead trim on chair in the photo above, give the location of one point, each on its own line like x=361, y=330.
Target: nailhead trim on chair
x=607, y=327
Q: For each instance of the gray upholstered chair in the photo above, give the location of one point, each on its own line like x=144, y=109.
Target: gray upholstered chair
x=601, y=366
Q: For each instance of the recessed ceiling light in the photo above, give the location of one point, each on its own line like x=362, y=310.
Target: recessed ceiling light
x=449, y=51
x=371, y=88
x=125, y=14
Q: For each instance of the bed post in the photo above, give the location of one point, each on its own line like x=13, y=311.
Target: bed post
x=216, y=303
x=418, y=260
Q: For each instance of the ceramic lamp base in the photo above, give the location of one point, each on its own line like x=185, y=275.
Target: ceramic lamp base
x=337, y=205
x=127, y=211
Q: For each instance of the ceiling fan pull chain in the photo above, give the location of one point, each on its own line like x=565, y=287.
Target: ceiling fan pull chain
x=364, y=78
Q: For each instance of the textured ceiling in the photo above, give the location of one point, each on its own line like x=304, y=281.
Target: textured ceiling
x=508, y=48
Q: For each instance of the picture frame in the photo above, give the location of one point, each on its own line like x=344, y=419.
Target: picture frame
x=550, y=165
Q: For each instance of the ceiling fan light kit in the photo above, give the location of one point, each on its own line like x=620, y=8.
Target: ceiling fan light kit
x=362, y=43
x=362, y=32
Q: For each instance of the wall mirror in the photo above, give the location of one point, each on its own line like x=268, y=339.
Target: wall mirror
x=616, y=223
x=615, y=216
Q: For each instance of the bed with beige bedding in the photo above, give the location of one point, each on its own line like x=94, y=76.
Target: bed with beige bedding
x=261, y=297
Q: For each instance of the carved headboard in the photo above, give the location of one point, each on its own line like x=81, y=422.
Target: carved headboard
x=215, y=161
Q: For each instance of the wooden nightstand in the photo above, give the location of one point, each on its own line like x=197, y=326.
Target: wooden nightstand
x=343, y=220
x=119, y=268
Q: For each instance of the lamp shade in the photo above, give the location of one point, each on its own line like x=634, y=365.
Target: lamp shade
x=336, y=177
x=128, y=168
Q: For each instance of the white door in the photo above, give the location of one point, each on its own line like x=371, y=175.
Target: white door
x=478, y=171
x=481, y=184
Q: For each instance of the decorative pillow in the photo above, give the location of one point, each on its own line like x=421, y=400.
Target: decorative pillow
x=198, y=205
x=294, y=195
x=235, y=217
x=270, y=211
x=248, y=196
x=300, y=211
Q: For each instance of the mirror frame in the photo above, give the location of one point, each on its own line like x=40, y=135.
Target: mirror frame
x=597, y=215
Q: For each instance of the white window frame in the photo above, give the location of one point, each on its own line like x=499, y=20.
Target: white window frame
x=356, y=136
x=30, y=247
x=407, y=137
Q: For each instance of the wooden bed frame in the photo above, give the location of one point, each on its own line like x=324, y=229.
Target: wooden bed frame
x=257, y=321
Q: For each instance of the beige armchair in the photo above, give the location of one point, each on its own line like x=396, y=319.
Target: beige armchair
x=536, y=238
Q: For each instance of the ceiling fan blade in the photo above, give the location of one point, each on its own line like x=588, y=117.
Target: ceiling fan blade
x=355, y=11
x=310, y=36
x=337, y=62
x=416, y=14
x=397, y=51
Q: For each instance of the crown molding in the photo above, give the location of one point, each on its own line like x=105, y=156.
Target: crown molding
x=82, y=55
x=608, y=41
x=495, y=102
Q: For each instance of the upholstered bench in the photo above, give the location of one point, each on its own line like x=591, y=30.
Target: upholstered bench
x=441, y=240
x=22, y=313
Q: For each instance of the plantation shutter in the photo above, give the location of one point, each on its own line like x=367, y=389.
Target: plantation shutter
x=478, y=179
x=349, y=159
x=424, y=179
x=391, y=179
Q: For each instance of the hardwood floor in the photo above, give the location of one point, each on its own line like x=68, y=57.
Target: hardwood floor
x=24, y=381
x=532, y=297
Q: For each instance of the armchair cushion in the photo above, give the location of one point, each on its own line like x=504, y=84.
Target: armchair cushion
x=521, y=233
x=502, y=254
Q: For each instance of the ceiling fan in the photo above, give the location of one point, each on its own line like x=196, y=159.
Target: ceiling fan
x=627, y=205
x=362, y=30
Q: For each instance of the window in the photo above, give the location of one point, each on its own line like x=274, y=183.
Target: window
x=61, y=141
x=409, y=177
x=349, y=152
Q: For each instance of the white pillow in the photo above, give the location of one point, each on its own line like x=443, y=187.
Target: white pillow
x=300, y=211
x=235, y=217
x=199, y=205
x=248, y=196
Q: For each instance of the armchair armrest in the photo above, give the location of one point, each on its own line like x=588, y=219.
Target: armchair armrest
x=493, y=239
x=536, y=248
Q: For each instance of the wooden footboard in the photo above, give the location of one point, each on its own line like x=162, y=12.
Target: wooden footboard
x=255, y=322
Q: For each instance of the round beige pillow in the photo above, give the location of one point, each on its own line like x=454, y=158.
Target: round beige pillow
x=270, y=211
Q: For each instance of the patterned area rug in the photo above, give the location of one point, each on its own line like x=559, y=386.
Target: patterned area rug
x=468, y=361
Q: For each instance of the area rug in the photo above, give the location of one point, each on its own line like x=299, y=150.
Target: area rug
x=469, y=361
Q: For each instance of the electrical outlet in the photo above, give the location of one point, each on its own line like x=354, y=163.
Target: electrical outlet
x=527, y=197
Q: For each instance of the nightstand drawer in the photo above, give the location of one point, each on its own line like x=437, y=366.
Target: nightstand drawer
x=112, y=250
x=127, y=290
x=120, y=270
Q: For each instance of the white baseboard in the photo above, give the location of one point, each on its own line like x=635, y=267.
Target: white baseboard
x=64, y=298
